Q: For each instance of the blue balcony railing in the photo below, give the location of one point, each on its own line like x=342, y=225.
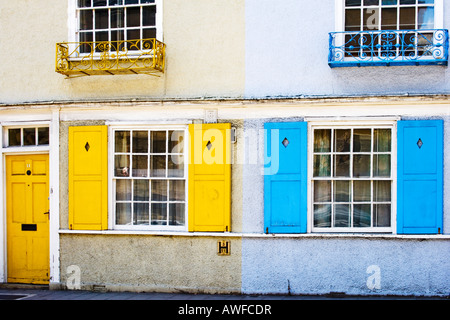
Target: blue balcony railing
x=388, y=48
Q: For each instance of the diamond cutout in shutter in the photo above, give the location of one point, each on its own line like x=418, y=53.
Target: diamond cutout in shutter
x=87, y=146
x=285, y=142
x=420, y=143
x=209, y=145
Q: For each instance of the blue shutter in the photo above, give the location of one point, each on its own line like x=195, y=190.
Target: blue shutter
x=285, y=177
x=420, y=177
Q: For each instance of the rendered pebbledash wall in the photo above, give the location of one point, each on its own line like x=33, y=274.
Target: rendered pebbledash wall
x=359, y=264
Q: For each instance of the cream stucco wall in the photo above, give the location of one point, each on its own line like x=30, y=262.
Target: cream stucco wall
x=205, y=54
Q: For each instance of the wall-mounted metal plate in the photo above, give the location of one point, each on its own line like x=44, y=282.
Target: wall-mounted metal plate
x=224, y=248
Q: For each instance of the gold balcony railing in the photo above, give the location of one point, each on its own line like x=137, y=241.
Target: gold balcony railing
x=143, y=56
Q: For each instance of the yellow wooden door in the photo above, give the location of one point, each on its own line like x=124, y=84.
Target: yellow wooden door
x=27, y=211
x=210, y=178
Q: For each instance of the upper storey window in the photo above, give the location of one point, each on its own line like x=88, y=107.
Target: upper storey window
x=388, y=32
x=389, y=14
x=116, y=20
x=111, y=37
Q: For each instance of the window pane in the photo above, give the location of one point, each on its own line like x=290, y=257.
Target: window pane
x=101, y=19
x=43, y=136
x=133, y=17
x=322, y=215
x=322, y=166
x=29, y=136
x=362, y=140
x=382, y=140
x=14, y=138
x=158, y=142
x=131, y=1
x=382, y=215
x=115, y=2
x=342, y=140
x=141, y=190
x=123, y=190
x=140, y=141
x=342, y=165
x=117, y=18
x=371, y=19
x=147, y=1
x=350, y=3
x=389, y=19
x=99, y=3
x=353, y=20
x=159, y=214
x=425, y=18
x=361, y=166
x=140, y=164
x=341, y=191
x=382, y=191
x=86, y=20
x=371, y=2
x=158, y=166
x=389, y=2
x=361, y=215
x=176, y=166
x=382, y=165
x=407, y=18
x=123, y=213
x=177, y=190
x=122, y=141
x=159, y=190
x=118, y=35
x=407, y=1
x=149, y=34
x=84, y=3
x=134, y=35
x=141, y=214
x=176, y=141
x=361, y=191
x=342, y=215
x=176, y=214
x=86, y=38
x=149, y=16
x=322, y=191
x=322, y=140
x=122, y=166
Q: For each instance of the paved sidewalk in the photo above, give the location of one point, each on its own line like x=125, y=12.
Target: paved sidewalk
x=45, y=294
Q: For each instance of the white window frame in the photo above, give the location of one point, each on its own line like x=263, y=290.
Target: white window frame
x=111, y=177
x=73, y=21
x=24, y=148
x=352, y=124
x=340, y=15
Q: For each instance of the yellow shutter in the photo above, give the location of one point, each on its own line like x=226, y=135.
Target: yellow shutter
x=88, y=178
x=210, y=178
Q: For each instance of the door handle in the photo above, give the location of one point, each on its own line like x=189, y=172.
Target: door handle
x=48, y=212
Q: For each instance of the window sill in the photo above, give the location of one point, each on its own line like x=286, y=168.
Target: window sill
x=259, y=235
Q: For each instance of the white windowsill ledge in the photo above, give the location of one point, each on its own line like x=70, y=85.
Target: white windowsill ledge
x=259, y=235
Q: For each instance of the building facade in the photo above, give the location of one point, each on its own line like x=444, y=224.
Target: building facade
x=226, y=147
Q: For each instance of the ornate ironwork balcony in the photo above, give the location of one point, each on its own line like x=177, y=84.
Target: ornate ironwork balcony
x=143, y=56
x=388, y=48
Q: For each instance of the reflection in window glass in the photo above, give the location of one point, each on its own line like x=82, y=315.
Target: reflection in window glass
x=115, y=20
x=29, y=136
x=150, y=178
x=352, y=178
x=14, y=137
